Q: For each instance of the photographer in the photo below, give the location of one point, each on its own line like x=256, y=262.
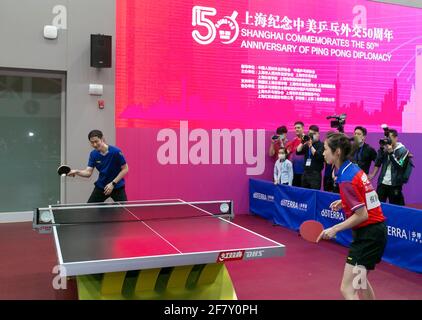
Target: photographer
x=278, y=141
x=362, y=153
x=313, y=150
x=393, y=157
x=297, y=160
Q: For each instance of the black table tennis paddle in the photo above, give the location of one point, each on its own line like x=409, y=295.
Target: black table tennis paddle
x=63, y=170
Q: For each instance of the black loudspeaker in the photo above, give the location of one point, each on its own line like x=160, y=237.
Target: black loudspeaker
x=100, y=51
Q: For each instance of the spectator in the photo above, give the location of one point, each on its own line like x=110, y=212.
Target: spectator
x=393, y=157
x=297, y=160
x=328, y=178
x=331, y=171
x=313, y=150
x=283, y=169
x=363, y=154
x=278, y=141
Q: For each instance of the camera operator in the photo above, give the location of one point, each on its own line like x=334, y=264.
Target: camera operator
x=297, y=160
x=278, y=141
x=392, y=158
x=313, y=150
x=362, y=153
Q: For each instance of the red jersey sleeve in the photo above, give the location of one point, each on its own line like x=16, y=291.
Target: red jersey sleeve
x=351, y=195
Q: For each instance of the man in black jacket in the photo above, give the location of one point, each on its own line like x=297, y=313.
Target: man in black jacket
x=312, y=149
x=363, y=154
x=393, y=158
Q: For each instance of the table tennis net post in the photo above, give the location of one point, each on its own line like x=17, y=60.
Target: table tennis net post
x=130, y=212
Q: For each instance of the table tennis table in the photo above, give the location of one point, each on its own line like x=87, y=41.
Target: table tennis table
x=151, y=249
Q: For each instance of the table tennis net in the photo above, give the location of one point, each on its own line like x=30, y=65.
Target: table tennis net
x=132, y=212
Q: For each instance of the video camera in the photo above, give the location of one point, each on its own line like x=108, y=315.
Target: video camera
x=387, y=140
x=339, y=122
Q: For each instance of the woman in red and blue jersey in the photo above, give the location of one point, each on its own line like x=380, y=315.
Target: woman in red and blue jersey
x=364, y=216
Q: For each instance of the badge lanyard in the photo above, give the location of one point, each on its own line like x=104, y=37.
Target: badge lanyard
x=309, y=160
x=358, y=156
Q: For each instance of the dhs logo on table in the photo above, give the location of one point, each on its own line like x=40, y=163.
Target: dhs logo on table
x=254, y=254
x=230, y=255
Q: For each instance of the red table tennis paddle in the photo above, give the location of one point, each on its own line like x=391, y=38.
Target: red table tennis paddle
x=63, y=170
x=310, y=230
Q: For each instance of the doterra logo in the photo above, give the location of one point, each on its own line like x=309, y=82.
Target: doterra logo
x=396, y=232
x=262, y=196
x=327, y=213
x=405, y=234
x=227, y=27
x=294, y=205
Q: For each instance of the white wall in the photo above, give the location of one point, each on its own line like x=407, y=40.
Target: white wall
x=24, y=47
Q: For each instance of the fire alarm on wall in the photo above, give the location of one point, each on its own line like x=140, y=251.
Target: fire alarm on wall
x=101, y=104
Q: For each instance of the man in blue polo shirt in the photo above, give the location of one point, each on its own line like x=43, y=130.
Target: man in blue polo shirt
x=112, y=167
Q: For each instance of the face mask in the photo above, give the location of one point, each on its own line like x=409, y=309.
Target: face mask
x=282, y=156
x=359, y=140
x=282, y=137
x=314, y=139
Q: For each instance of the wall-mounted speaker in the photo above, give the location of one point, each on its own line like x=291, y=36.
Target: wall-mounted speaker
x=100, y=51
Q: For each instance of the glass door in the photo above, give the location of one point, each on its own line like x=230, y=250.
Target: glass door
x=31, y=131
